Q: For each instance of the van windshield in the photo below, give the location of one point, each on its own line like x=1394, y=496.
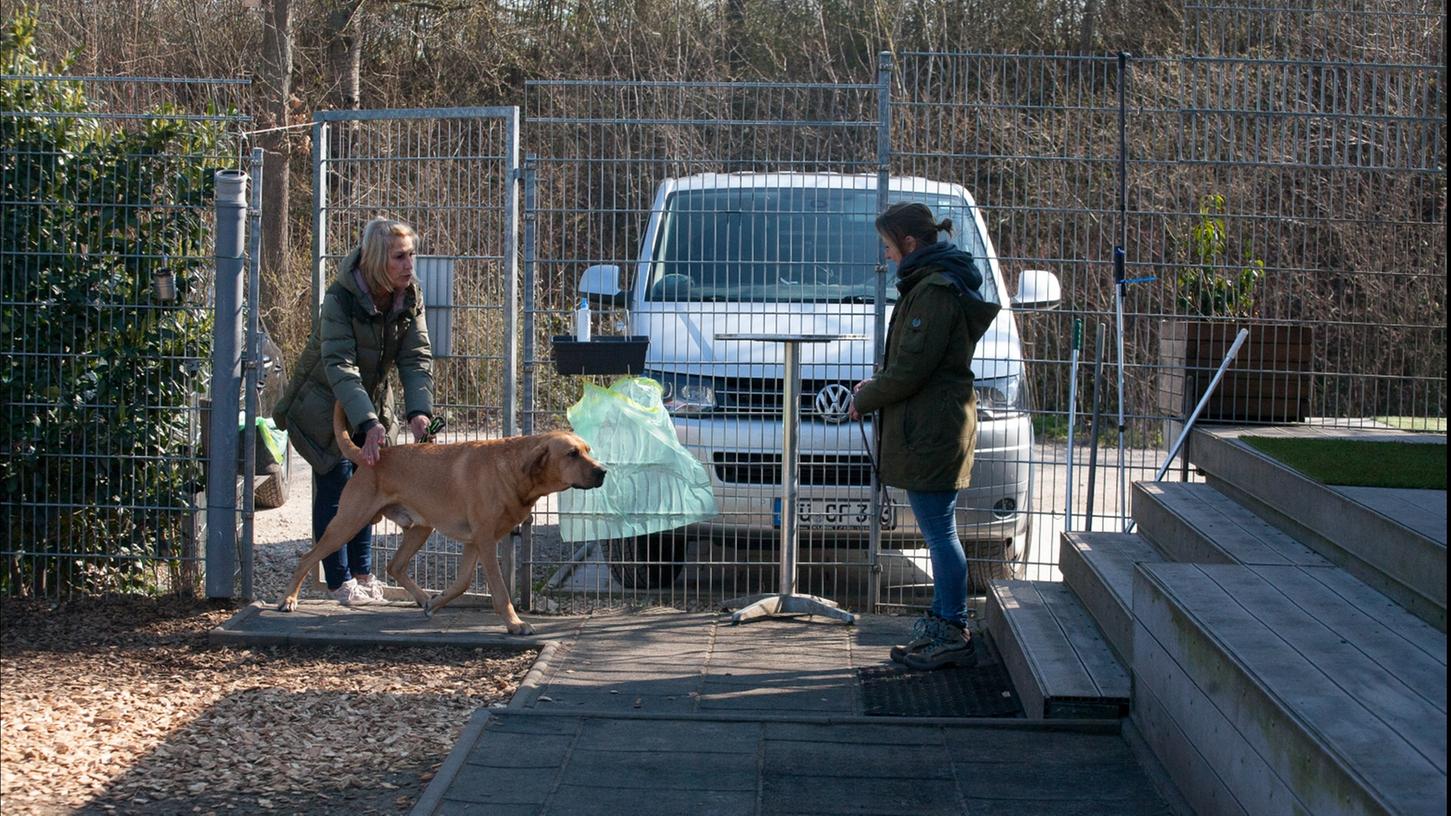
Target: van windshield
x=796, y=244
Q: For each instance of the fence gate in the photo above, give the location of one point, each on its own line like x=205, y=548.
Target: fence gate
x=453, y=175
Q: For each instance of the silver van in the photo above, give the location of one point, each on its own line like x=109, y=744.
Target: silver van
x=797, y=253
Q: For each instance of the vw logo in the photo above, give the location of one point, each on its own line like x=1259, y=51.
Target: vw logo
x=832, y=403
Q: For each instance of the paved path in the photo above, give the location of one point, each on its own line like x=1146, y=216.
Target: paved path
x=663, y=712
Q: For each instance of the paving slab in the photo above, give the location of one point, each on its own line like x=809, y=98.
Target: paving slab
x=669, y=713
x=742, y=767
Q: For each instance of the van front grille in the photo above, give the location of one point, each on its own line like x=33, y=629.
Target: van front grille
x=765, y=469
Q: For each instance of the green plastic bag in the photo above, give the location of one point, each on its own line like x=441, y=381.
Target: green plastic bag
x=654, y=483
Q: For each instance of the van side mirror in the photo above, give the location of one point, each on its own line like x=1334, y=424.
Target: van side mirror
x=600, y=284
x=1037, y=289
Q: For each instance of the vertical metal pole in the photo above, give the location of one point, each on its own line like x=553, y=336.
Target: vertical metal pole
x=884, y=182
x=320, y=149
x=1072, y=417
x=511, y=273
x=250, y=366
x=231, y=214
x=511, y=316
x=1119, y=274
x=790, y=467
x=1093, y=427
x=527, y=397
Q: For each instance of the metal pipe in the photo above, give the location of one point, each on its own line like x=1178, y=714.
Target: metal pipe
x=511, y=272
x=1194, y=415
x=1072, y=415
x=526, y=588
x=250, y=368
x=1093, y=427
x=231, y=230
x=879, y=321
x=790, y=464
x=319, y=213
x=1118, y=269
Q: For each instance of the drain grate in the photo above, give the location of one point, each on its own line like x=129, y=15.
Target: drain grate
x=981, y=691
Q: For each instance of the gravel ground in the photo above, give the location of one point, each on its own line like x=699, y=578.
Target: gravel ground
x=121, y=705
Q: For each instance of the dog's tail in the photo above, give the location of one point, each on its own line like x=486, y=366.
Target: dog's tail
x=350, y=451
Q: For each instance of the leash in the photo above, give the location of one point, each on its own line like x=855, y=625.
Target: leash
x=861, y=425
x=434, y=427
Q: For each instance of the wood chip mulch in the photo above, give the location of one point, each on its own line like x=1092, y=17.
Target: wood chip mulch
x=121, y=705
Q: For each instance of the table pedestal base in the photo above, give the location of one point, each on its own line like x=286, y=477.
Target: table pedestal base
x=775, y=603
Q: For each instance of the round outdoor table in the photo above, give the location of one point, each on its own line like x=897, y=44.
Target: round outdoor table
x=788, y=601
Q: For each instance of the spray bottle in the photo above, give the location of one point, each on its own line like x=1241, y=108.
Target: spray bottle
x=581, y=321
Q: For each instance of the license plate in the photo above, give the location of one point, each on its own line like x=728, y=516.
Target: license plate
x=834, y=514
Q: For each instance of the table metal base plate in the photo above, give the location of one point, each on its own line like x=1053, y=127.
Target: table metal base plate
x=761, y=606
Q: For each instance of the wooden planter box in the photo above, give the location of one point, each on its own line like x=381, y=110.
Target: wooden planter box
x=1269, y=381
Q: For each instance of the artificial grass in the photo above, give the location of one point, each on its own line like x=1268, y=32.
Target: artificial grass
x=1359, y=463
x=1414, y=423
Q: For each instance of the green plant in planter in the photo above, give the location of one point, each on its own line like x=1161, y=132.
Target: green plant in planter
x=1214, y=285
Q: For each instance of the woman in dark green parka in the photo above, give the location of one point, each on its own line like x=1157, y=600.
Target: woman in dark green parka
x=372, y=320
x=928, y=420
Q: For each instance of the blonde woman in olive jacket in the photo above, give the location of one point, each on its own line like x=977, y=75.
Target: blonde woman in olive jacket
x=372, y=320
x=928, y=412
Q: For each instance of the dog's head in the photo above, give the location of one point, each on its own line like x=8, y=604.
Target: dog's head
x=563, y=460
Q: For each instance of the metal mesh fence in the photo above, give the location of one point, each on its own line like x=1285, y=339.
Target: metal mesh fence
x=754, y=200
x=1302, y=199
x=105, y=269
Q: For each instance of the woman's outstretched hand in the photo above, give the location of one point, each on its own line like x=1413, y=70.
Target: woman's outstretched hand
x=373, y=445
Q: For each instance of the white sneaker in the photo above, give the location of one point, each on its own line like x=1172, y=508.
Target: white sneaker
x=374, y=588
x=351, y=593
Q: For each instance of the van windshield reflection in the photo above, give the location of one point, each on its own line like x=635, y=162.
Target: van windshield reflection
x=771, y=245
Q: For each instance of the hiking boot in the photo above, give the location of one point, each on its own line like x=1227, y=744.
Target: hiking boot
x=951, y=647
x=924, y=630
x=351, y=593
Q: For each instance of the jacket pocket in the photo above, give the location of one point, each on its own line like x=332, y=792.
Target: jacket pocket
x=928, y=423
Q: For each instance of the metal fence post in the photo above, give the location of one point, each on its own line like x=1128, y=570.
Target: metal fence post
x=884, y=180
x=231, y=213
x=251, y=366
x=526, y=399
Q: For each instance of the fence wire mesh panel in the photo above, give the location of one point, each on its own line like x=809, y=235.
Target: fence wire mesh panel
x=106, y=268
x=720, y=209
x=1034, y=138
x=1299, y=197
x=452, y=174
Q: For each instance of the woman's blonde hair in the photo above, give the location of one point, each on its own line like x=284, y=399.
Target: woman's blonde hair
x=373, y=249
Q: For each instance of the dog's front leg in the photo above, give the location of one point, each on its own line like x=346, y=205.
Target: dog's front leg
x=413, y=540
x=499, y=591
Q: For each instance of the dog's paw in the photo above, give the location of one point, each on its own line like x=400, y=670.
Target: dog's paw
x=287, y=605
x=428, y=609
x=520, y=628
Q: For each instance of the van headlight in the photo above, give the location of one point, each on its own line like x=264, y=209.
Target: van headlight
x=1000, y=397
x=683, y=393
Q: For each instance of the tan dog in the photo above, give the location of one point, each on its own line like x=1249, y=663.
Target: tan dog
x=473, y=492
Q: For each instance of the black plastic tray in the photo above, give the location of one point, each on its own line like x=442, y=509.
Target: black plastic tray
x=601, y=355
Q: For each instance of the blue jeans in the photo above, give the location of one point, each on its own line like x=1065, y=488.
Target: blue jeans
x=324, y=506
x=936, y=513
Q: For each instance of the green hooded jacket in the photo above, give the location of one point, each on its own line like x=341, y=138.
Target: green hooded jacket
x=346, y=360
x=928, y=422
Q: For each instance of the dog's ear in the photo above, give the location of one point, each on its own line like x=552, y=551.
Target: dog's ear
x=537, y=461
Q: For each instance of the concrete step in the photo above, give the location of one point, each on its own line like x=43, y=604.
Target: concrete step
x=1393, y=540
x=1058, y=659
x=1099, y=569
x=1198, y=524
x=1288, y=689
